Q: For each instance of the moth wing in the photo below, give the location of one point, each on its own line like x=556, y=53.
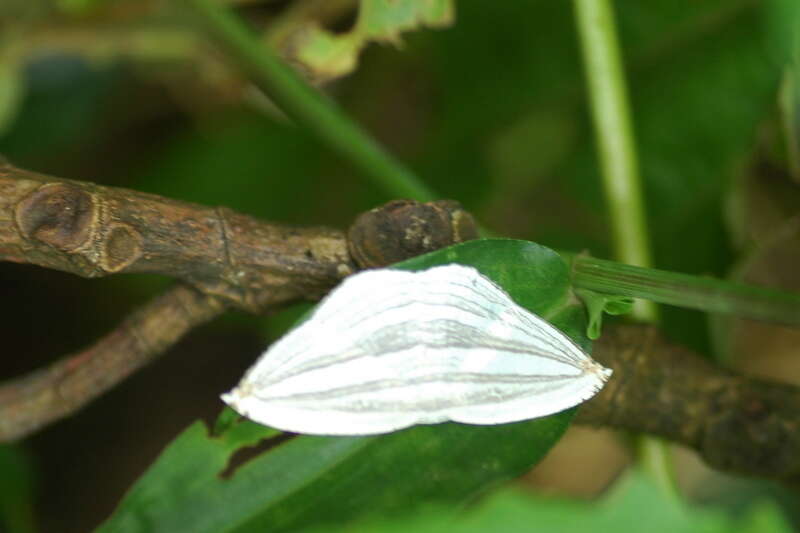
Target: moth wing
x=320, y=421
x=390, y=349
x=547, y=400
x=332, y=327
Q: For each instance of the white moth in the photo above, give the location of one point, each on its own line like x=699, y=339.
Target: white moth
x=388, y=349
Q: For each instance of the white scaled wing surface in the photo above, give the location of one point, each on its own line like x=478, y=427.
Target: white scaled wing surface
x=388, y=349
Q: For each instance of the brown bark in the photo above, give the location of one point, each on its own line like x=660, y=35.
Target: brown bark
x=95, y=231
x=736, y=423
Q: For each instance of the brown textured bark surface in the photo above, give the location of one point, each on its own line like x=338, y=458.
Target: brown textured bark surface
x=736, y=423
x=94, y=231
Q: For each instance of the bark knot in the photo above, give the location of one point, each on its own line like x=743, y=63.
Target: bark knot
x=122, y=245
x=57, y=214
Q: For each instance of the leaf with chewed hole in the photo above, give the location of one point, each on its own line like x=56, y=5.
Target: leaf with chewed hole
x=308, y=480
x=325, y=55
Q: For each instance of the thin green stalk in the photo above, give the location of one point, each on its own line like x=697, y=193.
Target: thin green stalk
x=304, y=104
x=614, y=136
x=694, y=292
x=788, y=100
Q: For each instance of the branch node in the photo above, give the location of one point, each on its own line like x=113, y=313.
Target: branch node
x=58, y=214
x=121, y=246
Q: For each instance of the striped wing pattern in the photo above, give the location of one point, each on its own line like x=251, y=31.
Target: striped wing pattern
x=388, y=349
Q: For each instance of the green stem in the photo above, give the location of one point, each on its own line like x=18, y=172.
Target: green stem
x=614, y=136
x=613, y=131
x=704, y=294
x=787, y=99
x=304, y=104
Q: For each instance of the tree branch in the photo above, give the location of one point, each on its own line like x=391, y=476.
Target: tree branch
x=49, y=394
x=95, y=231
x=736, y=423
x=229, y=259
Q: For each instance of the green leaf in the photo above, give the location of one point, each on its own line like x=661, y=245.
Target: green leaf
x=516, y=511
x=326, y=55
x=316, y=480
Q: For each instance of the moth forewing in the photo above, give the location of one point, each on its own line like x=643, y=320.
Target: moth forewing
x=388, y=349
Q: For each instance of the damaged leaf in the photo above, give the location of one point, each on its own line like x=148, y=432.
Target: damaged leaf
x=325, y=55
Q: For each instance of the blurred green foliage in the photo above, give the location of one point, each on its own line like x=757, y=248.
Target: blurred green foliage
x=622, y=510
x=16, y=490
x=269, y=161
x=326, y=54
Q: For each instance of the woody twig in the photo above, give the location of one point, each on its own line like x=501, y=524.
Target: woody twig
x=736, y=423
x=222, y=259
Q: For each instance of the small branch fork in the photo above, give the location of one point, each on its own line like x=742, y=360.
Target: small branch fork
x=223, y=259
